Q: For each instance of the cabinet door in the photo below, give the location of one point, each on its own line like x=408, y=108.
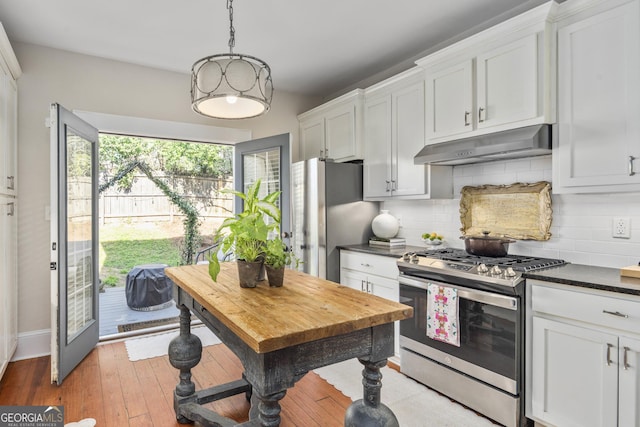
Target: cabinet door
x=377, y=148
x=449, y=107
x=407, y=139
x=8, y=280
x=340, y=143
x=629, y=375
x=574, y=375
x=312, y=138
x=507, y=83
x=599, y=102
x=353, y=279
x=4, y=142
x=11, y=142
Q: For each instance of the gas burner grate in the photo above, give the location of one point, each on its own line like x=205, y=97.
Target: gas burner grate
x=519, y=263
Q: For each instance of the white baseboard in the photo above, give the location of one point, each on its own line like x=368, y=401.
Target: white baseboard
x=33, y=344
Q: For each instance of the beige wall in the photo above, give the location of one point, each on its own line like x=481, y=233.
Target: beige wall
x=80, y=82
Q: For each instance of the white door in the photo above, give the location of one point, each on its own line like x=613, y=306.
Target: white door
x=312, y=138
x=408, y=138
x=507, y=83
x=269, y=160
x=74, y=241
x=574, y=375
x=599, y=101
x=340, y=125
x=449, y=106
x=377, y=150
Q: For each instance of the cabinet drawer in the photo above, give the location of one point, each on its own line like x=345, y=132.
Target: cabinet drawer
x=602, y=310
x=371, y=264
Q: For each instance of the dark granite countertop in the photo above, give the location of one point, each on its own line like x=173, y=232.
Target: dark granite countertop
x=375, y=250
x=585, y=276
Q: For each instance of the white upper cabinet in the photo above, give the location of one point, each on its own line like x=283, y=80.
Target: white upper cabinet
x=499, y=79
x=598, y=143
x=394, y=134
x=334, y=129
x=9, y=72
x=449, y=105
x=9, y=137
x=507, y=83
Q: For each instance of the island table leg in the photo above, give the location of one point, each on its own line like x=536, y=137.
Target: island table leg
x=370, y=411
x=185, y=352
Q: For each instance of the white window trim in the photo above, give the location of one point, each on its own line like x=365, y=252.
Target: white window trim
x=163, y=129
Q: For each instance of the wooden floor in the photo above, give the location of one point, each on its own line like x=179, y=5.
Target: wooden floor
x=117, y=392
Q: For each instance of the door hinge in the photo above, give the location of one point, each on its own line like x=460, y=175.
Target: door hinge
x=53, y=266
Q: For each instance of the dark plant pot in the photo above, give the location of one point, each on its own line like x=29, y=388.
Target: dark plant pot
x=275, y=276
x=249, y=273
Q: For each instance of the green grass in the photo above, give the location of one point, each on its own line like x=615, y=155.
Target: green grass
x=125, y=254
x=124, y=246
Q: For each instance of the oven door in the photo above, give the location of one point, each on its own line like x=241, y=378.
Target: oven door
x=489, y=328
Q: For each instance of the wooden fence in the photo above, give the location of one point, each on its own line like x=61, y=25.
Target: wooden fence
x=146, y=202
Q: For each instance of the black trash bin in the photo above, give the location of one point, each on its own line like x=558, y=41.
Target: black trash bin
x=148, y=288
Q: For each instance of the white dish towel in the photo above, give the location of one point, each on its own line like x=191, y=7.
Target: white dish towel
x=442, y=314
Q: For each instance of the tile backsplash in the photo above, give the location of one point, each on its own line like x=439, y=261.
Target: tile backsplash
x=580, y=230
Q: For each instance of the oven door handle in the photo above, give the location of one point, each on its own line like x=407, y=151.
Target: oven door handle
x=483, y=297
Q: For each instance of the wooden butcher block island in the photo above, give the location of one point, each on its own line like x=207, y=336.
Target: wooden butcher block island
x=280, y=334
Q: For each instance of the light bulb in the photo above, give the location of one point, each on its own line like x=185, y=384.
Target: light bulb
x=231, y=99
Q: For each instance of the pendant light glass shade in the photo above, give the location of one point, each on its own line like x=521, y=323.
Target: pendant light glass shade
x=231, y=86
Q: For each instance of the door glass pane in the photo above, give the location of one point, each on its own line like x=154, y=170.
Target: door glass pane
x=264, y=165
x=80, y=289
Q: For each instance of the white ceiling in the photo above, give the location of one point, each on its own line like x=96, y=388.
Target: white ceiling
x=313, y=47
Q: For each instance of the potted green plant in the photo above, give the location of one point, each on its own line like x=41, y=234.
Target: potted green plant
x=246, y=234
x=276, y=257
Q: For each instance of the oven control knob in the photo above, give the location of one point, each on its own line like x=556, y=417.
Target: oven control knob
x=482, y=268
x=414, y=258
x=496, y=271
x=510, y=272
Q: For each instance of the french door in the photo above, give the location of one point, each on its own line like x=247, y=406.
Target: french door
x=74, y=241
x=269, y=160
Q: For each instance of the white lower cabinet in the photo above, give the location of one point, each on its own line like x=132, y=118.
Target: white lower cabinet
x=374, y=274
x=585, y=350
x=8, y=280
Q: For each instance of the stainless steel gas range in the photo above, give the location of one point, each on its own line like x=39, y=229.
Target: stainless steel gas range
x=484, y=370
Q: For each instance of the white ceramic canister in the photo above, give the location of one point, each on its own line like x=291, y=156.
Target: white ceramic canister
x=385, y=225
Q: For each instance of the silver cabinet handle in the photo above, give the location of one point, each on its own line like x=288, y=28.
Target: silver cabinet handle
x=631, y=171
x=364, y=264
x=625, y=362
x=466, y=118
x=326, y=153
x=615, y=313
x=388, y=185
x=609, y=346
x=12, y=209
x=368, y=288
x=480, y=111
x=11, y=183
x=321, y=154
x=362, y=286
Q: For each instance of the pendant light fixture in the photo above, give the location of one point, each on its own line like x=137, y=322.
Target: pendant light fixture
x=231, y=85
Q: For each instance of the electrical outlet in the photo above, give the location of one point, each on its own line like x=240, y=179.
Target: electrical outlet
x=621, y=228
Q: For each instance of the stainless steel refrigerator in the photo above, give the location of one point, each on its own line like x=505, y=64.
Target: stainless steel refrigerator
x=327, y=211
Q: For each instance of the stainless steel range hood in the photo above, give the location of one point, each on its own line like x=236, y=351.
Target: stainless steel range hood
x=522, y=142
